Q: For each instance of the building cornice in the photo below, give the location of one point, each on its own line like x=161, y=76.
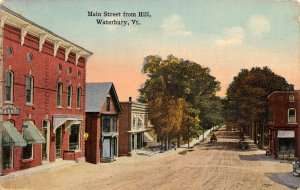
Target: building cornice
x=26, y=26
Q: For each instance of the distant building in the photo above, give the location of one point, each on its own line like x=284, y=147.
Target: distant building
x=42, y=94
x=283, y=124
x=134, y=133
x=102, y=122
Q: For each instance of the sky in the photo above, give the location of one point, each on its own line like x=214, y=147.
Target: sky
x=224, y=35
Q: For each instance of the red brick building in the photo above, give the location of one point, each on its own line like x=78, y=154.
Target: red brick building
x=283, y=124
x=43, y=92
x=102, y=122
x=134, y=133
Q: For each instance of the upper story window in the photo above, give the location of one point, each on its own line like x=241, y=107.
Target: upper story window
x=29, y=89
x=78, y=96
x=9, y=51
x=109, y=124
x=78, y=74
x=9, y=80
x=114, y=124
x=59, y=67
x=292, y=115
x=59, y=94
x=134, y=120
x=106, y=124
x=107, y=103
x=291, y=98
x=29, y=58
x=69, y=70
x=69, y=98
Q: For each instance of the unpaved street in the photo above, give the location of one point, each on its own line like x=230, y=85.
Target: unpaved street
x=218, y=165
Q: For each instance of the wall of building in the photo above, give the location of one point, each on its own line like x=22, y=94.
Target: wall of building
x=43, y=69
x=125, y=125
x=94, y=127
x=278, y=105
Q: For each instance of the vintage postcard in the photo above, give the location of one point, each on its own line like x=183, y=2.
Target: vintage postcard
x=170, y=94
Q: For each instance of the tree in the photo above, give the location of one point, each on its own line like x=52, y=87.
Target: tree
x=246, y=101
x=177, y=88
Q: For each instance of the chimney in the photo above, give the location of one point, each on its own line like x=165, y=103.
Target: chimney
x=130, y=99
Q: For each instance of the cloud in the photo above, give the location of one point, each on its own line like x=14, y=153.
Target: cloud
x=258, y=25
x=233, y=36
x=174, y=25
x=110, y=27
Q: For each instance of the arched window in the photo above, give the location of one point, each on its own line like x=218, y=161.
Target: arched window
x=78, y=96
x=59, y=94
x=29, y=89
x=9, y=81
x=9, y=51
x=292, y=115
x=29, y=58
x=69, y=99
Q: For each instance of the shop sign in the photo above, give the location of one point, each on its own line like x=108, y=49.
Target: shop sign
x=9, y=109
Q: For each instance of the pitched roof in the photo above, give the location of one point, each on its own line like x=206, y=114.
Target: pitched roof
x=96, y=94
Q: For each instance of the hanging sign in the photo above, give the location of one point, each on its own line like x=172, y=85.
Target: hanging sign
x=9, y=109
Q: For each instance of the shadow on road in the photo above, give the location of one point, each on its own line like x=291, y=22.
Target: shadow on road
x=257, y=157
x=286, y=179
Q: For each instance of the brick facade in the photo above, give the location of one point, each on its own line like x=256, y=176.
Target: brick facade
x=279, y=104
x=44, y=70
x=125, y=121
x=94, y=126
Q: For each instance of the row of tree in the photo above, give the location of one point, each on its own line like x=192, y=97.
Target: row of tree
x=246, y=104
x=182, y=98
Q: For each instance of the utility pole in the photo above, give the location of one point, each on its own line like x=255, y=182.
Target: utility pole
x=189, y=133
x=203, y=132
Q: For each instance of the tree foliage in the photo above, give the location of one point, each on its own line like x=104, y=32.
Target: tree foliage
x=246, y=100
x=180, y=94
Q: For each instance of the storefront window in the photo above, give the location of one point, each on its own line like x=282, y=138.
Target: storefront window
x=7, y=155
x=74, y=138
x=27, y=152
x=286, y=145
x=132, y=141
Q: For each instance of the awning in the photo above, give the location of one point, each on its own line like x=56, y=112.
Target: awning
x=286, y=134
x=148, y=138
x=31, y=134
x=138, y=131
x=11, y=136
x=59, y=120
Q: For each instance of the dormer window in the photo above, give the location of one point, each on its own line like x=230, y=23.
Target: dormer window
x=291, y=98
x=107, y=103
x=292, y=115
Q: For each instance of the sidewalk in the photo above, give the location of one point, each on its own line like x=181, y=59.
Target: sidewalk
x=59, y=164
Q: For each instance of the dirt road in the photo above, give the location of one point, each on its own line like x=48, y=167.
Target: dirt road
x=219, y=165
